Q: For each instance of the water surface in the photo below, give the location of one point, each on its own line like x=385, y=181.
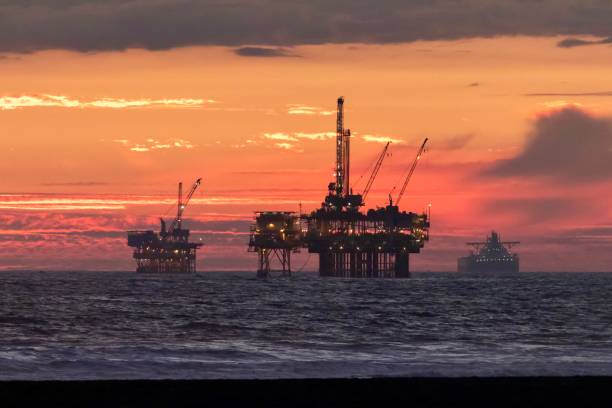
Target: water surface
x=78, y=325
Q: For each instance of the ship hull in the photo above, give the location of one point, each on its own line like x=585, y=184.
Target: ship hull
x=474, y=265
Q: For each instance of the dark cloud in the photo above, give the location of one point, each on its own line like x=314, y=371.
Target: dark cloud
x=220, y=225
x=51, y=235
x=263, y=52
x=601, y=234
x=533, y=210
x=9, y=57
x=576, y=42
x=92, y=25
x=473, y=85
x=453, y=143
x=568, y=145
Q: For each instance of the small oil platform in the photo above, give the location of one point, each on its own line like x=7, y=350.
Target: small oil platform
x=274, y=237
x=168, y=251
x=350, y=243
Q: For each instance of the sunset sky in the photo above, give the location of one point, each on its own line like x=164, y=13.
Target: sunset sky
x=105, y=106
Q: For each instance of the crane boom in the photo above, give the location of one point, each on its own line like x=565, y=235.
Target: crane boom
x=182, y=204
x=377, y=166
x=409, y=176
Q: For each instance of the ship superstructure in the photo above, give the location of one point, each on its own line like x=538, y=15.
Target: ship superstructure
x=168, y=251
x=491, y=256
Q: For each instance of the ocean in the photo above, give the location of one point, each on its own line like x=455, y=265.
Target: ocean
x=103, y=325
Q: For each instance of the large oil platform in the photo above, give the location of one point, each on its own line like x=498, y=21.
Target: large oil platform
x=168, y=251
x=350, y=242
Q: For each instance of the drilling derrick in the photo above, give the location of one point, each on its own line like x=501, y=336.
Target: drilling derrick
x=168, y=251
x=340, y=197
x=343, y=138
x=274, y=236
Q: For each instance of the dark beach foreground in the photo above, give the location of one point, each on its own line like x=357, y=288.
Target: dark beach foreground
x=419, y=392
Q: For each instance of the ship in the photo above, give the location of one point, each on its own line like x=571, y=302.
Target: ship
x=170, y=250
x=491, y=256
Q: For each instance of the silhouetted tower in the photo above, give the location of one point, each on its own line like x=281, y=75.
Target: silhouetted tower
x=343, y=149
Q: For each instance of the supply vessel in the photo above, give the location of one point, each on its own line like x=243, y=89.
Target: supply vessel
x=491, y=256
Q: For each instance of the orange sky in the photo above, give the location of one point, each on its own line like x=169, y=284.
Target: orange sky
x=94, y=144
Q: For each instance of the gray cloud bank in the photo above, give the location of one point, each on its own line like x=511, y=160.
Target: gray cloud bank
x=92, y=25
x=263, y=52
x=576, y=42
x=534, y=210
x=569, y=145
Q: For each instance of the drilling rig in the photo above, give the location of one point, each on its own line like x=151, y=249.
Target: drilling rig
x=168, y=251
x=352, y=243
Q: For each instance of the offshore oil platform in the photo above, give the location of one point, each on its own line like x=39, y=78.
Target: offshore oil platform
x=350, y=243
x=168, y=251
x=491, y=256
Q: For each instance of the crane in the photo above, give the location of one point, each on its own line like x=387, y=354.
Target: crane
x=379, y=162
x=177, y=222
x=414, y=164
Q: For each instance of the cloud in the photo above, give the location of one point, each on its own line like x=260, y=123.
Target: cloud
x=58, y=202
x=286, y=146
x=301, y=135
x=315, y=136
x=291, y=141
x=60, y=101
x=473, y=85
x=153, y=144
x=533, y=210
x=279, y=136
x=263, y=52
x=381, y=139
x=576, y=42
x=236, y=225
x=46, y=239
x=296, y=109
x=567, y=144
x=289, y=146
x=43, y=240
x=9, y=57
x=91, y=25
x=561, y=104
x=453, y=143
x=599, y=234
